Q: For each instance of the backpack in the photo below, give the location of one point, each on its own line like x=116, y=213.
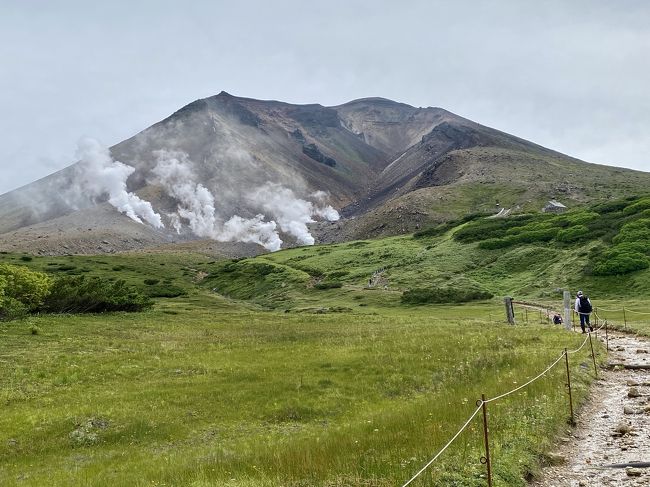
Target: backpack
x=585, y=305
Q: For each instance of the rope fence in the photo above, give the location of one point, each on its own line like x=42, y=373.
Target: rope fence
x=483, y=402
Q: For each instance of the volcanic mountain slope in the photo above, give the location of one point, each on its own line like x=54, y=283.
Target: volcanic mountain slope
x=389, y=167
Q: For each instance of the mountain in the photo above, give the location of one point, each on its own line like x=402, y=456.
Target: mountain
x=388, y=168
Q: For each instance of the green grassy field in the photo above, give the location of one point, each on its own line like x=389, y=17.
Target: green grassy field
x=201, y=392
x=308, y=367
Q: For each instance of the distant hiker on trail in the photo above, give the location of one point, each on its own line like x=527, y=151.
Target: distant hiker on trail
x=557, y=319
x=583, y=308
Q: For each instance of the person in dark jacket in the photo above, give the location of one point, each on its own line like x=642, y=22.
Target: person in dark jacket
x=583, y=308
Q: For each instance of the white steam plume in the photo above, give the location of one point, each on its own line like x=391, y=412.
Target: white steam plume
x=100, y=175
x=196, y=205
x=292, y=213
x=254, y=230
x=322, y=209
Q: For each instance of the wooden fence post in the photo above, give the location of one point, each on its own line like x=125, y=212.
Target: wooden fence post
x=510, y=312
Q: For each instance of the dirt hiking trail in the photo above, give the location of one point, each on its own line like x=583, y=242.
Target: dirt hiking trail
x=613, y=426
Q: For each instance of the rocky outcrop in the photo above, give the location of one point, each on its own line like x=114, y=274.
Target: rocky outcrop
x=313, y=152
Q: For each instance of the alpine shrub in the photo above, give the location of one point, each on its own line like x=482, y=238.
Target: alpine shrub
x=21, y=290
x=434, y=295
x=572, y=234
x=81, y=294
x=638, y=207
x=620, y=259
x=328, y=285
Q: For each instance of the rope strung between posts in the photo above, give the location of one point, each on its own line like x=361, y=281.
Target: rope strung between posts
x=447, y=445
x=480, y=403
x=627, y=310
x=601, y=319
x=527, y=383
x=612, y=310
x=580, y=347
x=637, y=312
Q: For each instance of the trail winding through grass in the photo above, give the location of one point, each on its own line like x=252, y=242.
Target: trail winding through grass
x=613, y=427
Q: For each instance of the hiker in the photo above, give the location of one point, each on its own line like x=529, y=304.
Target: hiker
x=583, y=308
x=557, y=319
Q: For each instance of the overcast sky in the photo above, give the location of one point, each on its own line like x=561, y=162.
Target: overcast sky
x=571, y=75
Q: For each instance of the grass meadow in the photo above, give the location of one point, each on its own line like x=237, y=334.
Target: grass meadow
x=202, y=391
x=307, y=367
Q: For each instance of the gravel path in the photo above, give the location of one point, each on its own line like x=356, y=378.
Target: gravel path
x=613, y=427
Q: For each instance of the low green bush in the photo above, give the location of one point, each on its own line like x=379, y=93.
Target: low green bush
x=611, y=206
x=164, y=291
x=151, y=282
x=581, y=217
x=635, y=231
x=337, y=274
x=484, y=229
x=637, y=207
x=539, y=235
x=328, y=285
x=620, y=259
x=441, y=295
x=572, y=234
x=497, y=243
x=81, y=294
x=21, y=290
x=535, y=226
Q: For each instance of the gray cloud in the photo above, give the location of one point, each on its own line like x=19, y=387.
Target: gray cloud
x=569, y=75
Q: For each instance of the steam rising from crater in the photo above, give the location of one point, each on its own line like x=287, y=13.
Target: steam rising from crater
x=101, y=176
x=196, y=206
x=292, y=214
x=240, y=214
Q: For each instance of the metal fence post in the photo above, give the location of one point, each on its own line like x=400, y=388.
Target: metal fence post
x=486, y=458
x=568, y=383
x=606, y=336
x=624, y=319
x=593, y=357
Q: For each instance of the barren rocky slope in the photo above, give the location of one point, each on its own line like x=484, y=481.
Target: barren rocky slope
x=389, y=167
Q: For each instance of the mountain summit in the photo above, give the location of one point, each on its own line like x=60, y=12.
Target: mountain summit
x=245, y=173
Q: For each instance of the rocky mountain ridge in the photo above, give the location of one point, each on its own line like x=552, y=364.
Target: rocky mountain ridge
x=386, y=166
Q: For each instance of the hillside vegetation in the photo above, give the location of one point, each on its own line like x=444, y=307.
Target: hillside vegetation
x=345, y=364
x=603, y=248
